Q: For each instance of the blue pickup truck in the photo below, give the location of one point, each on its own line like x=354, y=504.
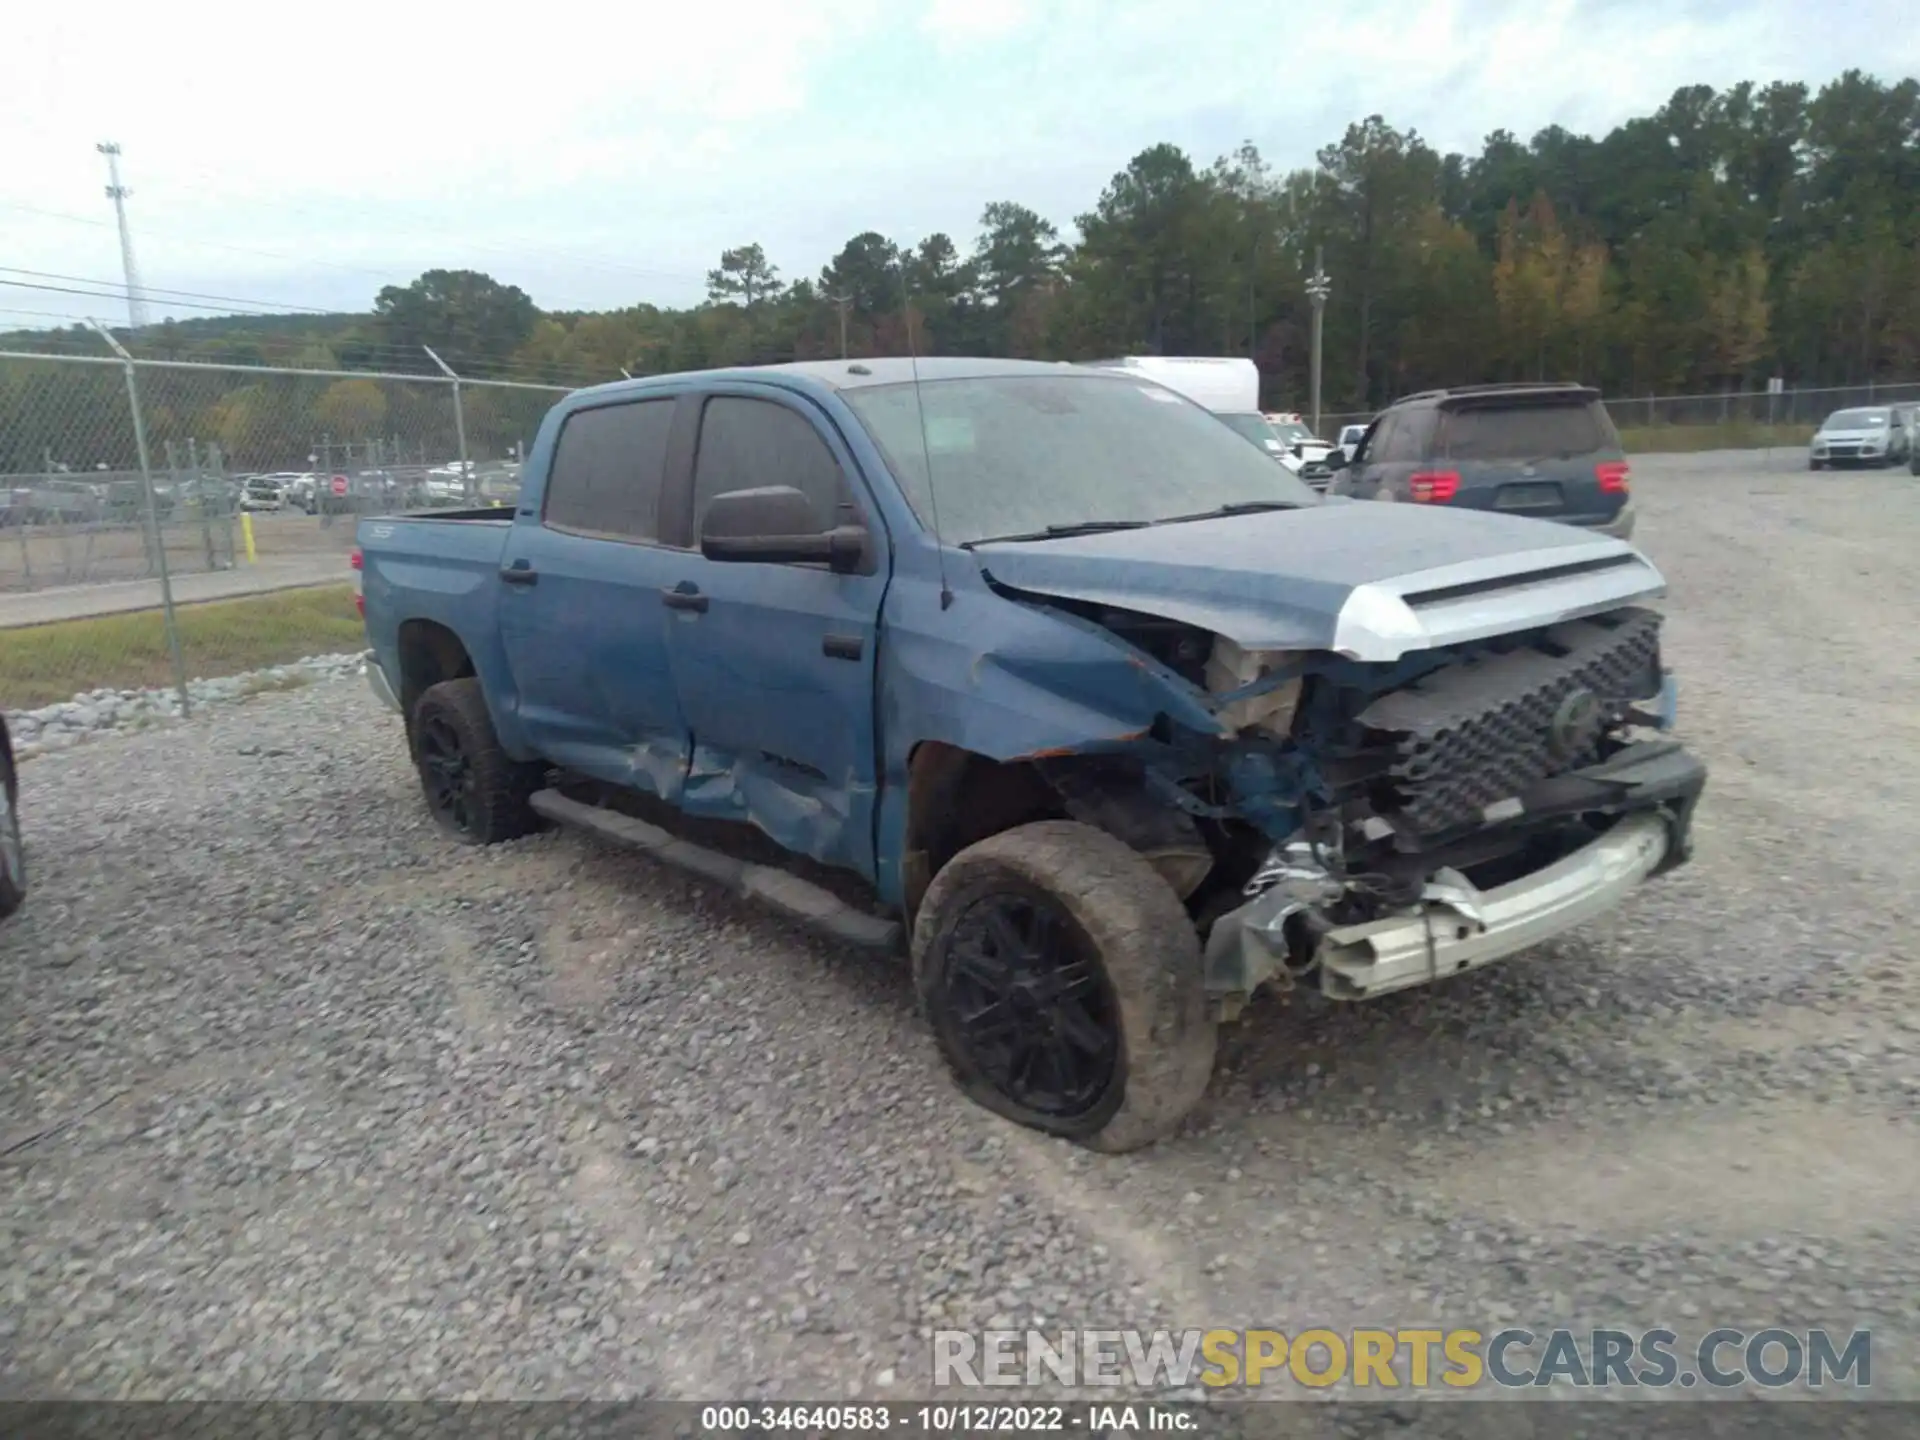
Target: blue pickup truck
x=1046, y=677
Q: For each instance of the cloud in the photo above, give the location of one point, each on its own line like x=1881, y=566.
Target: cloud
x=965, y=21
x=603, y=155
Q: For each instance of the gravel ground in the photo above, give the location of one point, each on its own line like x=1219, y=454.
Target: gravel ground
x=303, y=1100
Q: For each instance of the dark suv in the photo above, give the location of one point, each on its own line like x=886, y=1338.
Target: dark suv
x=1545, y=450
x=13, y=867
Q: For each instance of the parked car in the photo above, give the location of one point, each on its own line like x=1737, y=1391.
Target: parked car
x=1869, y=435
x=368, y=492
x=263, y=492
x=1306, y=453
x=57, y=502
x=13, y=855
x=1136, y=727
x=302, y=489
x=1546, y=451
x=124, y=502
x=498, y=483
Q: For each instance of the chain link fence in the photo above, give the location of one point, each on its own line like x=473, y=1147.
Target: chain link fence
x=173, y=533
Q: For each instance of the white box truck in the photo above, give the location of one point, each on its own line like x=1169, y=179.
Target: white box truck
x=1226, y=385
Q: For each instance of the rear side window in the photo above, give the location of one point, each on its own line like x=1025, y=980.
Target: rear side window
x=1397, y=439
x=609, y=468
x=747, y=444
x=1527, y=432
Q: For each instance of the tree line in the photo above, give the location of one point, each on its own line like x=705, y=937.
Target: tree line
x=1725, y=238
x=1730, y=236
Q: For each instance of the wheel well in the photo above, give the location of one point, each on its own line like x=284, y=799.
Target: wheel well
x=956, y=798
x=429, y=653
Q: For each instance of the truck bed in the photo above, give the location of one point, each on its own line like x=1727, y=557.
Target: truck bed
x=441, y=566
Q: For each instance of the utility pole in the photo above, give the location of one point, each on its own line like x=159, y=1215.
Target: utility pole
x=842, y=301
x=1318, y=288
x=118, y=193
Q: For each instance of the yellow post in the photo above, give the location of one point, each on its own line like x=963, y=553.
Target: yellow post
x=246, y=532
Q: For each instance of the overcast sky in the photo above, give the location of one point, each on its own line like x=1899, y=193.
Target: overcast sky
x=599, y=155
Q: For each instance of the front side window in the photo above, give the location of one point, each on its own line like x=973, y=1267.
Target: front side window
x=608, y=470
x=1017, y=454
x=750, y=444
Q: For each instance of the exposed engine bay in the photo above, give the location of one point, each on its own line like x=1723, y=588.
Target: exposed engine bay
x=1344, y=802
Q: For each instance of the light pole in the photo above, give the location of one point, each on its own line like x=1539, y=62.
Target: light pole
x=1318, y=288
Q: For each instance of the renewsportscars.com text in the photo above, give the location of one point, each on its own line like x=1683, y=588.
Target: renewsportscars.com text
x=1458, y=1359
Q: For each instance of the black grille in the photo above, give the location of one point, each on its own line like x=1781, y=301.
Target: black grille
x=1483, y=730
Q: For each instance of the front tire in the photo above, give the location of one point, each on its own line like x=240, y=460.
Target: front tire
x=1816, y=464
x=474, y=790
x=1063, y=981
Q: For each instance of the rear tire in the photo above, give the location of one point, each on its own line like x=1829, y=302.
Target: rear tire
x=474, y=790
x=1054, y=951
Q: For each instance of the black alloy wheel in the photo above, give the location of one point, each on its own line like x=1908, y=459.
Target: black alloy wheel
x=448, y=774
x=1031, y=1005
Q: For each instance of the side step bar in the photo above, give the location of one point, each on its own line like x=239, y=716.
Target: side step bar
x=800, y=899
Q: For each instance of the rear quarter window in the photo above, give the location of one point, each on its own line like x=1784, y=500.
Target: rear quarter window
x=609, y=468
x=1529, y=432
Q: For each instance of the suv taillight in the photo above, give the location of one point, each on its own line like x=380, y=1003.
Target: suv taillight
x=1612, y=475
x=1433, y=487
x=359, y=563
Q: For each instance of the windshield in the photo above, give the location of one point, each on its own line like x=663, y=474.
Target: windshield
x=1855, y=420
x=1013, y=455
x=1291, y=432
x=1255, y=428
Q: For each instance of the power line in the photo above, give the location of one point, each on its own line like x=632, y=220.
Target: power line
x=117, y=293
x=160, y=290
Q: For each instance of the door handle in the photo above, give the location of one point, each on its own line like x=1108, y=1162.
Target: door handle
x=684, y=600
x=842, y=647
x=519, y=573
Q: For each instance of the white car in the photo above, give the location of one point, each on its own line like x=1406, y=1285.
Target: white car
x=1305, y=453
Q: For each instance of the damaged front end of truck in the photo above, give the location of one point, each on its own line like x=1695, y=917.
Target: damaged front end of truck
x=1471, y=760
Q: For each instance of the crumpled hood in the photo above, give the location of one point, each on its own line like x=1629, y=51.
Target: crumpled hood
x=1371, y=581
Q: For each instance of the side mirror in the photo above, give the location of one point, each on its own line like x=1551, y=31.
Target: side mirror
x=1336, y=459
x=775, y=525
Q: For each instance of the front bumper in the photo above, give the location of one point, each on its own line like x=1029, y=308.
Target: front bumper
x=1479, y=927
x=378, y=683
x=1653, y=788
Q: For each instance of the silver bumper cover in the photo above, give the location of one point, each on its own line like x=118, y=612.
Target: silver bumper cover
x=1474, y=927
x=378, y=683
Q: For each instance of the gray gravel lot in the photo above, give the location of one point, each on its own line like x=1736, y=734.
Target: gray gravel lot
x=300, y=1099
